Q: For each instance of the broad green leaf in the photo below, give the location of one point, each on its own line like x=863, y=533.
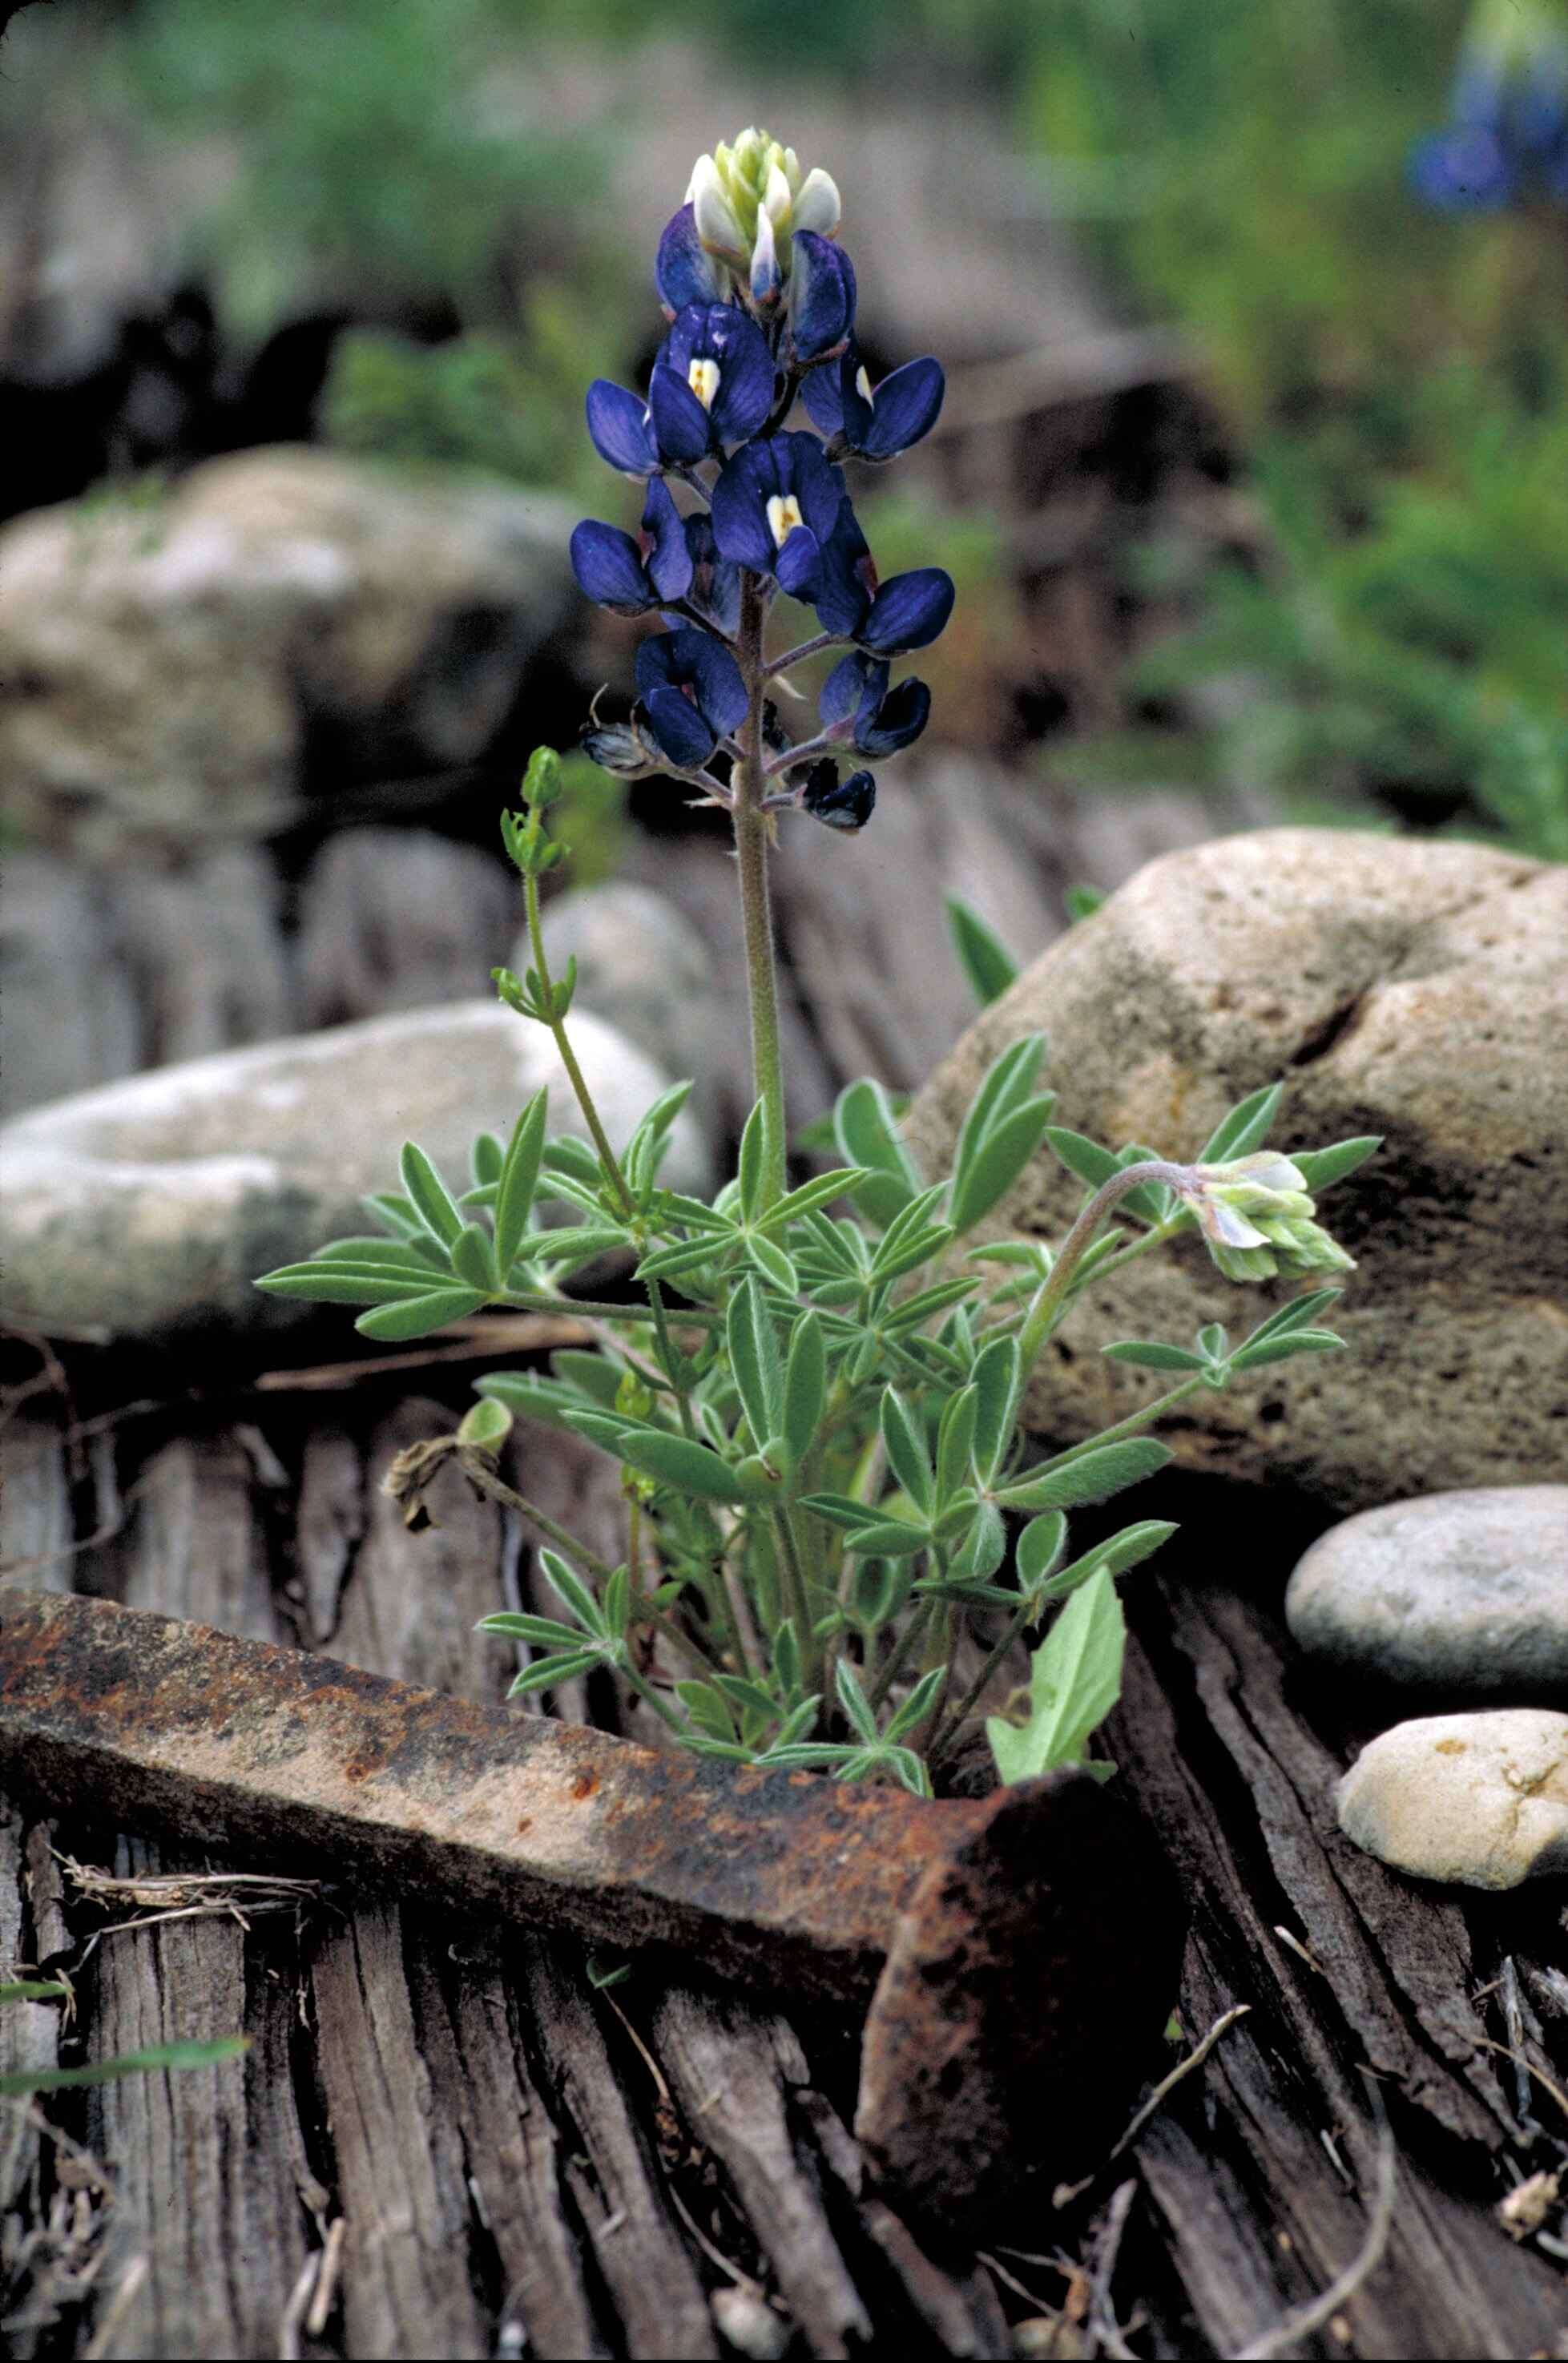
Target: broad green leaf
x=1320, y=1167
x=916, y=1706
x=854, y=1701
x=863, y=1127
x=573, y=1591
x=805, y=1387
x=1125, y=1550
x=473, y=1260
x=1005, y=1085
x=905, y=1450
x=391, y=1207
x=420, y=1256
x=1214, y=1341
x=1094, y=1476
x=838, y=1509
x=755, y=1361
x=667, y=1263
x=843, y=1182
x=429, y=1194
x=129, y=2063
x=1084, y=1158
x=565, y=1154
x=530, y=1397
x=688, y=1468
x=1285, y=1346
x=707, y=1709
x=1074, y=1681
x=996, y=1163
x=1245, y=1128
x=1150, y=1354
x=915, y=1247
x=955, y=1439
x=485, y=1159
x=982, y=1549
x=1301, y=1313
x=519, y=1179
x=773, y=1264
x=540, y=1631
x=888, y=1538
x=595, y=1375
x=915, y=1309
x=984, y=958
x=753, y=1166
x=393, y=1325
x=550, y=1672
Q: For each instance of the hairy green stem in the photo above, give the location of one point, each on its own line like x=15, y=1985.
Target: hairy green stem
x=751, y=829
x=1130, y=1425
x=520, y=1300
x=799, y=1603
x=944, y=1736
x=484, y=1480
x=1046, y=1310
x=914, y=1633
x=567, y=1057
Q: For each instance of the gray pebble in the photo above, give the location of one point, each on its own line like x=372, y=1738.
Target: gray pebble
x=1473, y=1800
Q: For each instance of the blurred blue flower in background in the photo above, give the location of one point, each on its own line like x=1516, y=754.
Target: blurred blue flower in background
x=1506, y=136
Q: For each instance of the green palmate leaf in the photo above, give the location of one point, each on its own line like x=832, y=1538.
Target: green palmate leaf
x=1319, y=1168
x=597, y=1376
x=420, y=1256
x=843, y=1182
x=473, y=1260
x=393, y=1325
x=854, y=1701
x=982, y=1549
x=1245, y=1128
x=888, y=1538
x=529, y=1397
x=995, y=1163
x=1039, y=1550
x=755, y=1361
x=549, y=1673
x=519, y=1179
x=1005, y=1086
x=1150, y=1354
x=540, y=1631
x=866, y=1135
x=754, y=1167
x=1214, y=1342
x=668, y=1263
x=773, y=1264
x=805, y=1386
x=396, y=1211
x=1285, y=1346
x=129, y=2063
x=342, y=1284
x=686, y=1467
x=914, y=1248
x=707, y=1709
x=750, y=1696
x=838, y=1509
x=428, y=1195
x=981, y=955
x=1094, y=1476
x=571, y=1159
x=575, y=1591
x=1074, y=1681
x=916, y=1309
x=1151, y=1202
x=997, y=1376
x=905, y=1448
x=917, y=1706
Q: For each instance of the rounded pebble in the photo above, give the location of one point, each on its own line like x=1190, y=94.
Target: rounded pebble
x=1474, y=1800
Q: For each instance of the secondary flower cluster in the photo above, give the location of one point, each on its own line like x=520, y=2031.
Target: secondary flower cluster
x=761, y=302
x=1507, y=135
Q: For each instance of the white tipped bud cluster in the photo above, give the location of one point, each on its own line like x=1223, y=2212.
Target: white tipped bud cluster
x=749, y=198
x=1258, y=1218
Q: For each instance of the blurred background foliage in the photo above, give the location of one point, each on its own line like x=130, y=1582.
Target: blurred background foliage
x=1380, y=637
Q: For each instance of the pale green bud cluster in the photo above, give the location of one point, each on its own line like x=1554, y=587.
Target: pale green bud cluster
x=749, y=198
x=1259, y=1219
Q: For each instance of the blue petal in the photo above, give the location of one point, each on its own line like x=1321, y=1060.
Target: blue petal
x=618, y=429
x=910, y=612
x=715, y=584
x=609, y=569
x=720, y=684
x=844, y=690
x=820, y=395
x=681, y=426
x=740, y=512
x=848, y=806
x=821, y=295
x=685, y=273
x=816, y=483
x=657, y=665
x=897, y=722
x=907, y=406
x=799, y=565
x=746, y=379
x=849, y=578
x=678, y=728
x=1458, y=169
x=669, y=559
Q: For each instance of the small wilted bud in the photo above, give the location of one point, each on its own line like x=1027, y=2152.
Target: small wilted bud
x=1258, y=1218
x=619, y=747
x=846, y=805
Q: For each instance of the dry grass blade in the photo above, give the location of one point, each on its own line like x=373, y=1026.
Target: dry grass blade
x=1065, y=2193
x=1306, y=2321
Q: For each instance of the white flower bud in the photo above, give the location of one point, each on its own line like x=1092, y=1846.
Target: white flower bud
x=816, y=206
x=776, y=198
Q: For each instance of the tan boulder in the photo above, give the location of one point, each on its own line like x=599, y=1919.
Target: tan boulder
x=1419, y=991
x=169, y=651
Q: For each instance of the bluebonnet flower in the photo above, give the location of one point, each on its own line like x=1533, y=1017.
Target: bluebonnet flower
x=857, y=703
x=712, y=382
x=761, y=302
x=873, y=423
x=774, y=506
x=846, y=805
x=907, y=611
x=1506, y=136
x=631, y=577
x=693, y=694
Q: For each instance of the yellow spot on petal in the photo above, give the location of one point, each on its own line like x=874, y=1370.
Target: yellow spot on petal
x=862, y=385
x=784, y=515
x=702, y=376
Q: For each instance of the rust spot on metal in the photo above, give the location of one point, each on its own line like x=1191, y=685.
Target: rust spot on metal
x=585, y=1785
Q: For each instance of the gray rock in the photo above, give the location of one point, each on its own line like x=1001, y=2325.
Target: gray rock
x=643, y=968
x=1465, y=1590
x=399, y=919
x=151, y=1205
x=70, y=1012
x=1415, y=989
x=1474, y=1800
x=176, y=648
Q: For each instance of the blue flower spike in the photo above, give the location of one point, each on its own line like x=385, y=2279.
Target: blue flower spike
x=740, y=505
x=1506, y=140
